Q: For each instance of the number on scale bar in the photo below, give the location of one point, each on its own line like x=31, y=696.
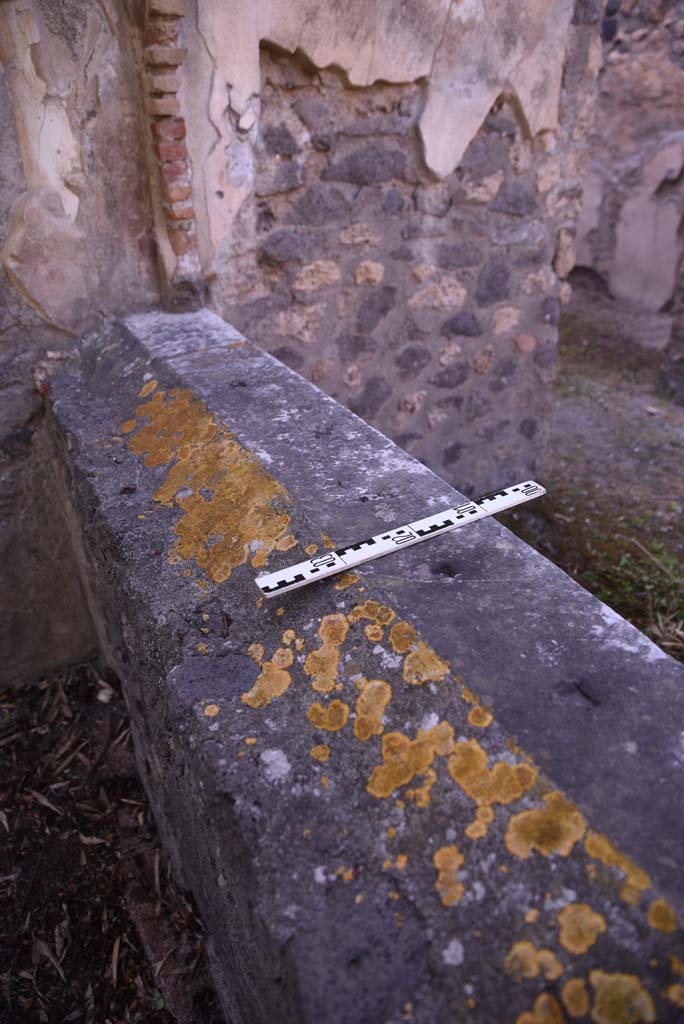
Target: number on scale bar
x=276, y=583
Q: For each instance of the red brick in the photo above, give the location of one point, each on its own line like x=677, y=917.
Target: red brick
x=181, y=241
x=162, y=106
x=169, y=82
x=180, y=211
x=174, y=8
x=176, y=193
x=164, y=56
x=172, y=128
x=161, y=32
x=172, y=172
x=171, y=151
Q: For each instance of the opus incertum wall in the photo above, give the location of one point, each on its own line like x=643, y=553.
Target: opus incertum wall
x=446, y=788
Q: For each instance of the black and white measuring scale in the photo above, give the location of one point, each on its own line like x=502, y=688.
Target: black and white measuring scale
x=342, y=559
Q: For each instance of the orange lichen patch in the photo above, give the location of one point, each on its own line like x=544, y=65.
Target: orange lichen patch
x=504, y=783
x=288, y=637
x=477, y=829
x=525, y=961
x=299, y=644
x=675, y=993
x=256, y=652
x=531, y=915
x=321, y=665
x=250, y=741
x=546, y=1010
x=600, y=848
x=328, y=541
x=401, y=862
x=273, y=681
x=321, y=752
x=332, y=718
x=203, y=648
x=377, y=613
x=447, y=860
x=374, y=633
x=391, y=832
x=403, y=758
x=620, y=999
x=325, y=782
x=480, y=717
x=286, y=542
x=421, y=794
x=580, y=926
x=346, y=579
x=283, y=657
x=311, y=549
x=129, y=425
x=677, y=965
x=370, y=708
x=553, y=828
x=423, y=666
x=211, y=710
x=280, y=611
x=575, y=998
x=402, y=637
x=147, y=389
x=228, y=500
x=661, y=916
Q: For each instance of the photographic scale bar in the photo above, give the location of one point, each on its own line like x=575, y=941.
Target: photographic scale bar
x=275, y=583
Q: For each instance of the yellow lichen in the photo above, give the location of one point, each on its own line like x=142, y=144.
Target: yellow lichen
x=370, y=707
x=283, y=657
x=525, y=961
x=531, y=915
x=675, y=993
x=620, y=999
x=250, y=741
x=272, y=682
x=128, y=426
x=421, y=794
x=211, y=710
x=321, y=752
x=374, y=633
x=504, y=783
x=256, y=652
x=377, y=613
x=661, y=916
x=580, y=926
x=311, y=549
x=147, y=389
x=575, y=998
x=288, y=637
x=322, y=664
x=553, y=828
x=403, y=758
x=447, y=860
x=286, y=543
x=346, y=579
x=228, y=500
x=423, y=666
x=601, y=848
x=546, y=1010
x=402, y=637
x=332, y=718
x=677, y=965
x=480, y=717
x=484, y=816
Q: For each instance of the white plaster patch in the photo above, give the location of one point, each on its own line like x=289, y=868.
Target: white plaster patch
x=320, y=875
x=429, y=721
x=453, y=954
x=275, y=764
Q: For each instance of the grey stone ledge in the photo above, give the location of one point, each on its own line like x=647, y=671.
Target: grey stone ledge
x=312, y=912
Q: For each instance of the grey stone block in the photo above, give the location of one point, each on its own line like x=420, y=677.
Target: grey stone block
x=372, y=871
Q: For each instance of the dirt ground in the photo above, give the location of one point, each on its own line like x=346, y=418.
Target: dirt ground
x=92, y=928
x=613, y=517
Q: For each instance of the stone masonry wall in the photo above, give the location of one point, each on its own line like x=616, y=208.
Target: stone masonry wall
x=423, y=296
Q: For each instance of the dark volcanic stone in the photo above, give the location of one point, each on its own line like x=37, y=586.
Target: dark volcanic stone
x=502, y=375
x=289, y=356
x=587, y=12
x=402, y=253
x=350, y=346
x=281, y=179
x=515, y=199
x=476, y=406
x=550, y=311
x=371, y=165
x=374, y=307
x=609, y=27
x=278, y=140
x=452, y=453
x=393, y=203
x=368, y=402
x=453, y=256
x=286, y=246
x=545, y=357
x=451, y=376
x=312, y=112
x=450, y=402
x=528, y=428
x=319, y=205
x=462, y=324
x=492, y=283
x=412, y=360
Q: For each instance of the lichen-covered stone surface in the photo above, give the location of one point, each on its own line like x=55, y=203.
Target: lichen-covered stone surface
x=445, y=788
